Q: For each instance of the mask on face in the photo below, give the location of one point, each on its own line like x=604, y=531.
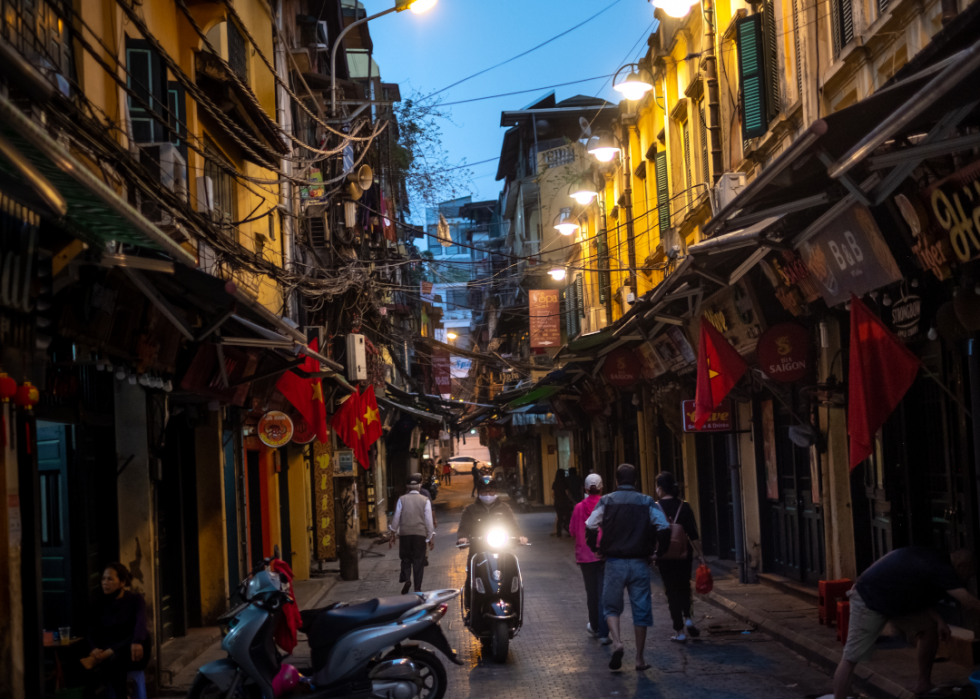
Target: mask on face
x=488, y=499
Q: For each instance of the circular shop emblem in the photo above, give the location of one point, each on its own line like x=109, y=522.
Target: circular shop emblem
x=621, y=369
x=275, y=429
x=303, y=433
x=784, y=352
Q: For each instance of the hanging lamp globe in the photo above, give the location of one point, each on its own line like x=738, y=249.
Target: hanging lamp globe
x=634, y=87
x=604, y=148
x=583, y=192
x=566, y=224
x=557, y=273
x=674, y=8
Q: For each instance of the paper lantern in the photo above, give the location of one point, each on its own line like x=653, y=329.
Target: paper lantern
x=8, y=388
x=27, y=395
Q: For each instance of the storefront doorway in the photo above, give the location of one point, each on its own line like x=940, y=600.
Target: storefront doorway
x=715, y=496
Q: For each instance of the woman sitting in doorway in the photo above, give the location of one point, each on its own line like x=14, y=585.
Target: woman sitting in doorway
x=120, y=641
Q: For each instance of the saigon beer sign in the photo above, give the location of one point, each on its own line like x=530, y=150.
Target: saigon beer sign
x=784, y=352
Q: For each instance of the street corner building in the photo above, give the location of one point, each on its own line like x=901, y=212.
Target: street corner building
x=801, y=180
x=201, y=254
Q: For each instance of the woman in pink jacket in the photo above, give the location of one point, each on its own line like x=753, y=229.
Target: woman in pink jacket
x=591, y=565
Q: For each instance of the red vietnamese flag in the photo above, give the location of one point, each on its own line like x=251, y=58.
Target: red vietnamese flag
x=719, y=368
x=306, y=395
x=348, y=423
x=371, y=416
x=881, y=370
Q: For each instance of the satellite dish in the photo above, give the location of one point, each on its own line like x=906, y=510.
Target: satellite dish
x=586, y=129
x=365, y=177
x=354, y=191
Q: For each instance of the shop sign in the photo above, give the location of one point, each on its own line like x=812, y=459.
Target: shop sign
x=904, y=317
x=621, y=368
x=784, y=352
x=650, y=363
x=275, y=429
x=955, y=205
x=673, y=349
x=931, y=247
x=720, y=420
x=734, y=313
x=442, y=372
x=343, y=463
x=591, y=403
x=848, y=256
x=791, y=280
x=545, y=318
x=302, y=432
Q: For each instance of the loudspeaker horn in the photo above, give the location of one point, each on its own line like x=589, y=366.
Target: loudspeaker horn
x=365, y=177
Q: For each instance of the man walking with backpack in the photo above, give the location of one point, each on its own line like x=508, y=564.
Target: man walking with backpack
x=632, y=525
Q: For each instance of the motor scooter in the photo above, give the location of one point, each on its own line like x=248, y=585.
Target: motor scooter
x=431, y=484
x=495, y=596
x=516, y=492
x=361, y=651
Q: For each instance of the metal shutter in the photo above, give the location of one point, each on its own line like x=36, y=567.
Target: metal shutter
x=751, y=76
x=771, y=54
x=799, y=52
x=663, y=197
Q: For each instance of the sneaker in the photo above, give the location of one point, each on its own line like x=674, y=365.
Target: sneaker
x=588, y=627
x=679, y=637
x=605, y=641
x=691, y=629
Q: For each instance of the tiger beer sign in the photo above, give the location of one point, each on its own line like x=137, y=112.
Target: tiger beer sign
x=720, y=420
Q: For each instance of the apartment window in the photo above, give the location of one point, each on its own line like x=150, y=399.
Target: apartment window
x=237, y=52
x=35, y=29
x=663, y=192
x=757, y=75
x=223, y=184
x=456, y=299
x=771, y=55
x=149, y=92
x=842, y=24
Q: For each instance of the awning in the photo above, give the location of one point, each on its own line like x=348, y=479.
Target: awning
x=417, y=412
x=534, y=395
x=95, y=213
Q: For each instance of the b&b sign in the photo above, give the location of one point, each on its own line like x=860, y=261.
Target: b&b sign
x=720, y=420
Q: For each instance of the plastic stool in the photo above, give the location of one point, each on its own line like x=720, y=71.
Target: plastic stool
x=843, y=620
x=828, y=592
x=136, y=677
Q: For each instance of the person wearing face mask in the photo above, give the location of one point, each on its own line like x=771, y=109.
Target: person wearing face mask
x=484, y=515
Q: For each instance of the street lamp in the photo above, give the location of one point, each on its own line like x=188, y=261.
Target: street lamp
x=451, y=335
x=416, y=6
x=566, y=225
x=604, y=147
x=557, y=273
x=633, y=87
x=675, y=8
x=582, y=192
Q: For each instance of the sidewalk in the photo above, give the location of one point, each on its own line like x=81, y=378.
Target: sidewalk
x=788, y=613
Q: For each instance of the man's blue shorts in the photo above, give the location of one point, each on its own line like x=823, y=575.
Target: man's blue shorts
x=633, y=576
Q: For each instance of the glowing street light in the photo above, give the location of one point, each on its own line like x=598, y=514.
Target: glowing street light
x=675, y=8
x=419, y=6
x=451, y=335
x=583, y=192
x=633, y=87
x=566, y=225
x=557, y=273
x=604, y=147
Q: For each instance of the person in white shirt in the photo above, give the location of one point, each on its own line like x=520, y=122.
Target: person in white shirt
x=414, y=526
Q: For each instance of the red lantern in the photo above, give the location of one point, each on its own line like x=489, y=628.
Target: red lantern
x=27, y=395
x=8, y=388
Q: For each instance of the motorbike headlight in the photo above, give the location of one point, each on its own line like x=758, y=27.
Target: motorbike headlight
x=497, y=538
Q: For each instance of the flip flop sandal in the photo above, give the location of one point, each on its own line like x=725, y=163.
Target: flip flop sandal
x=616, y=662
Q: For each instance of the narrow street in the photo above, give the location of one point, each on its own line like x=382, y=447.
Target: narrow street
x=554, y=657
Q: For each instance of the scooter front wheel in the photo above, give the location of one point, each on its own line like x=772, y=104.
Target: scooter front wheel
x=431, y=671
x=500, y=642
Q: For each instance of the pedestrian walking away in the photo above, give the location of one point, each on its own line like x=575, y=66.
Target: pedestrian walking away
x=632, y=526
x=563, y=503
x=574, y=486
x=675, y=566
x=415, y=528
x=904, y=588
x=592, y=566
x=475, y=471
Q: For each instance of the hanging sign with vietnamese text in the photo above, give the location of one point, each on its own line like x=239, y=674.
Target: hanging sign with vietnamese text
x=441, y=370
x=621, y=368
x=545, y=317
x=275, y=429
x=784, y=352
x=720, y=420
x=848, y=255
x=955, y=205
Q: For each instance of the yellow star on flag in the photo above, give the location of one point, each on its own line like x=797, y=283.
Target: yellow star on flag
x=711, y=372
x=359, y=429
x=317, y=391
x=370, y=416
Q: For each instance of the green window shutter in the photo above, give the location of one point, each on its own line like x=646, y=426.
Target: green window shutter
x=603, y=264
x=799, y=53
x=663, y=197
x=579, y=300
x=751, y=76
x=772, y=59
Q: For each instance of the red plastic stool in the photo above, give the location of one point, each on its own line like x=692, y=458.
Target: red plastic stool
x=843, y=620
x=828, y=593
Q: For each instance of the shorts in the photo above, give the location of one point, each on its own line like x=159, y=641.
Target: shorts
x=631, y=575
x=866, y=625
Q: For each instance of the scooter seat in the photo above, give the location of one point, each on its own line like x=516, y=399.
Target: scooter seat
x=331, y=624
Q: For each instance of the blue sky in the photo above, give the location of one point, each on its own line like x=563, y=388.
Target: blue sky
x=460, y=37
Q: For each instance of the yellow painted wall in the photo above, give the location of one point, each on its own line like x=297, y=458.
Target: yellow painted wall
x=301, y=544
x=549, y=462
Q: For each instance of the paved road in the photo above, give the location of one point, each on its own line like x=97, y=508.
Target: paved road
x=554, y=657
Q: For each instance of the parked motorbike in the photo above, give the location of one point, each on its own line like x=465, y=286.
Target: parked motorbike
x=361, y=651
x=432, y=485
x=496, y=593
x=517, y=492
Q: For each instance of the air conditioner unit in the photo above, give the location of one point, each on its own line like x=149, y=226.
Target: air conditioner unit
x=356, y=358
x=728, y=187
x=167, y=166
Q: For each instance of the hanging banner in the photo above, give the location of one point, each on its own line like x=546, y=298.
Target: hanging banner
x=545, y=317
x=769, y=450
x=720, y=420
x=848, y=256
x=275, y=429
x=326, y=544
x=442, y=372
x=784, y=352
x=621, y=368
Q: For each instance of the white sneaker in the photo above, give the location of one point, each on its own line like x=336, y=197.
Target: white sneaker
x=605, y=641
x=679, y=638
x=588, y=627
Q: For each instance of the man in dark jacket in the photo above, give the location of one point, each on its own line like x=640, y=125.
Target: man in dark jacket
x=632, y=527
x=476, y=479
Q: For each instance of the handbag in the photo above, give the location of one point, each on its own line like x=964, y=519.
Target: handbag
x=704, y=582
x=679, y=543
